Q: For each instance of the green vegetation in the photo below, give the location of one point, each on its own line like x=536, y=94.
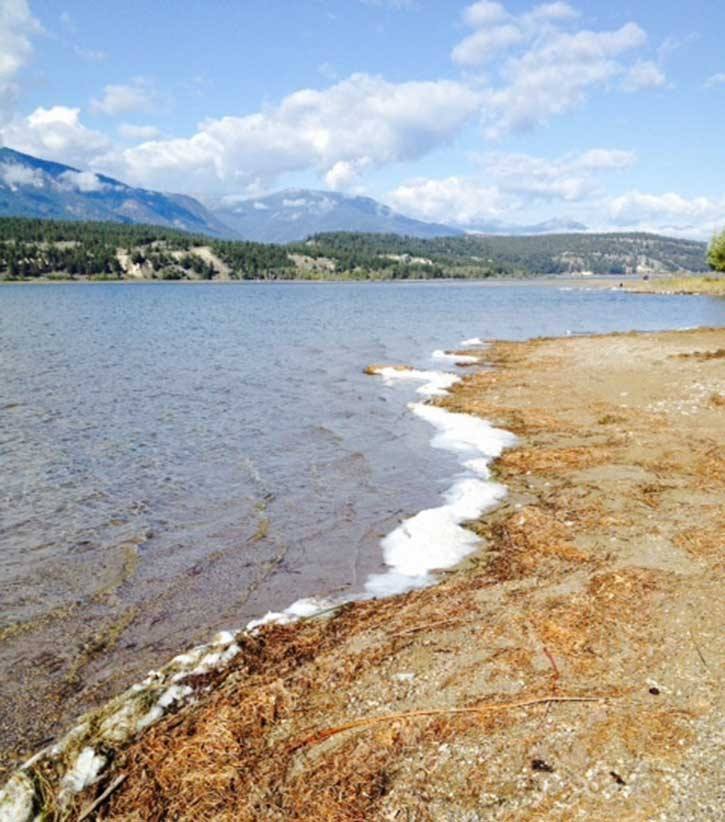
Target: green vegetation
x=707, y=286
x=489, y=256
x=716, y=252
x=52, y=249
x=32, y=248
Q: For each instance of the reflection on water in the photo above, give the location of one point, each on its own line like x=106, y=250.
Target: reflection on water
x=177, y=459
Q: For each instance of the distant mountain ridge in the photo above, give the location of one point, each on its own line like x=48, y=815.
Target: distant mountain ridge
x=556, y=225
x=294, y=214
x=32, y=187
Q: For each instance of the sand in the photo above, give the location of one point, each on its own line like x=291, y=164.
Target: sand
x=571, y=668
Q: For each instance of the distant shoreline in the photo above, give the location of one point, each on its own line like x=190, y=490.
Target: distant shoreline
x=597, y=281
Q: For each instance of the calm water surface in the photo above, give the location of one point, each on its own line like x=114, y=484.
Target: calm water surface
x=177, y=459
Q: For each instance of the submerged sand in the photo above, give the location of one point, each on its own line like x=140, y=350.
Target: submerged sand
x=571, y=668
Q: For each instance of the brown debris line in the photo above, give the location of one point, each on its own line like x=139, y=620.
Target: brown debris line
x=374, y=370
x=601, y=573
x=703, y=355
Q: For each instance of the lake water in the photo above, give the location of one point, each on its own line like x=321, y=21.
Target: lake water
x=179, y=459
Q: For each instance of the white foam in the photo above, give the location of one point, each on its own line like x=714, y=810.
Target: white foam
x=473, y=341
x=464, y=359
x=300, y=609
x=435, y=538
x=435, y=383
x=17, y=798
x=86, y=768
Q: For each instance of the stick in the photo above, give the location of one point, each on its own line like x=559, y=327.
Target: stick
x=451, y=621
x=699, y=652
x=102, y=798
x=555, y=675
x=367, y=722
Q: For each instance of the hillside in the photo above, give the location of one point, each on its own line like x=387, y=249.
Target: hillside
x=62, y=249
x=620, y=253
x=31, y=187
x=295, y=214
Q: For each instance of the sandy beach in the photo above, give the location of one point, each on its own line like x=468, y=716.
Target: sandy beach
x=570, y=667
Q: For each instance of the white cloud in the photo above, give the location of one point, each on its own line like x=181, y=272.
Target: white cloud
x=571, y=178
x=133, y=132
x=450, y=200
x=670, y=212
x=509, y=183
x=553, y=11
x=555, y=75
x=635, y=206
x=363, y=122
x=14, y=175
x=644, y=74
x=123, y=98
x=484, y=13
x=84, y=181
x=17, y=25
x=544, y=66
x=55, y=133
x=485, y=44
x=715, y=80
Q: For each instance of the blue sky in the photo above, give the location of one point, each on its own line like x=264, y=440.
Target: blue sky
x=609, y=113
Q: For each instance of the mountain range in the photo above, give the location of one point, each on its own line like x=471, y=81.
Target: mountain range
x=33, y=187
x=294, y=214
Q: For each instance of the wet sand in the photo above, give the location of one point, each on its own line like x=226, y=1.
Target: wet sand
x=571, y=667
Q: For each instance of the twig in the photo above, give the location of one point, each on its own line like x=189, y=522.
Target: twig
x=439, y=624
x=102, y=798
x=555, y=676
x=699, y=652
x=367, y=722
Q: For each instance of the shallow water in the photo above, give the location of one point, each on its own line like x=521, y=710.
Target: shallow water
x=178, y=459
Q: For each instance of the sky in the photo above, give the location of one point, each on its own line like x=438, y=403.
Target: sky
x=606, y=112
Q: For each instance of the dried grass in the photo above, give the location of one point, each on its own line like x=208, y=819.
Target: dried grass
x=706, y=542
x=521, y=544
x=543, y=460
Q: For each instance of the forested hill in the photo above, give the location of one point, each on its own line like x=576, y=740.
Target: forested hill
x=622, y=253
x=31, y=248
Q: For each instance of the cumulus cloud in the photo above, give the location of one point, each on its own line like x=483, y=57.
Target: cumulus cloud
x=484, y=13
x=17, y=25
x=509, y=183
x=123, y=98
x=15, y=175
x=457, y=200
x=570, y=178
x=55, y=133
x=644, y=74
x=363, y=122
x=715, y=80
x=486, y=43
x=137, y=133
x=84, y=181
x=635, y=207
x=543, y=65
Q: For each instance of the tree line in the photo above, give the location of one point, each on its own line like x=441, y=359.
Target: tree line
x=35, y=248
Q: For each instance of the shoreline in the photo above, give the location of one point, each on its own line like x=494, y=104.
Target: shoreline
x=595, y=281
x=384, y=641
